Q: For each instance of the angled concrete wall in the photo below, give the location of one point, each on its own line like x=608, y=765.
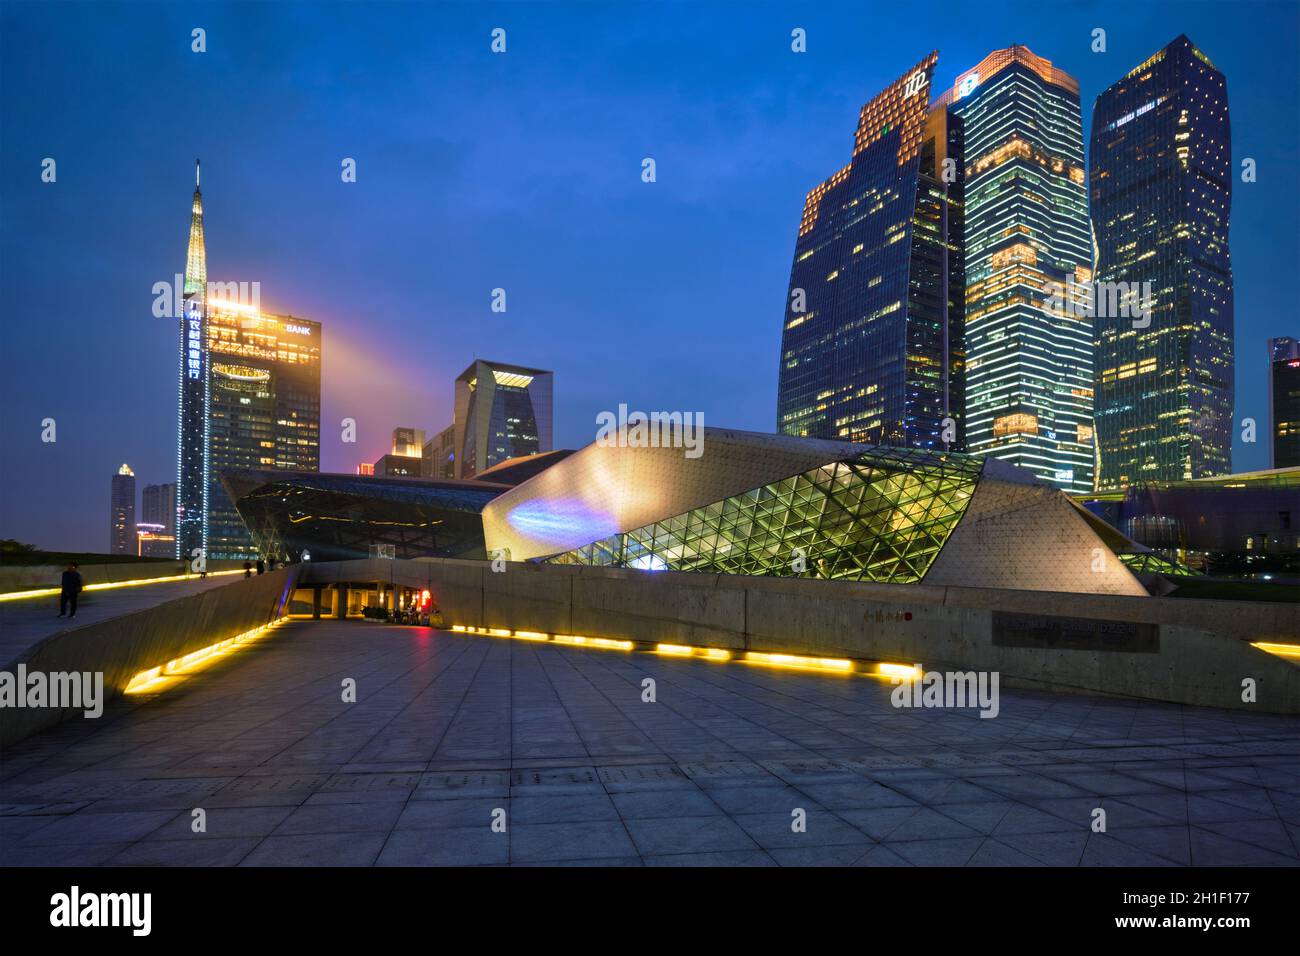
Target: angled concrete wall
x=1181, y=650
x=124, y=646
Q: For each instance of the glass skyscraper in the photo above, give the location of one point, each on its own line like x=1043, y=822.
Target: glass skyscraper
x=871, y=348
x=264, y=406
x=1161, y=182
x=502, y=412
x=1028, y=334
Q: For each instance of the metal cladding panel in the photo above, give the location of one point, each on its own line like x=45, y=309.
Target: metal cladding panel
x=605, y=489
x=1029, y=537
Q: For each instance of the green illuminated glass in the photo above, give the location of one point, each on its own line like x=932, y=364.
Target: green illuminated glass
x=881, y=516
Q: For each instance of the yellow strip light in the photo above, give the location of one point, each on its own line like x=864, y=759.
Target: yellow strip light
x=111, y=585
x=604, y=642
x=835, y=664
x=165, y=675
x=1289, y=651
x=689, y=650
x=905, y=671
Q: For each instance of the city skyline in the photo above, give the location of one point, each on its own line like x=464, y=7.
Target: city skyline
x=403, y=335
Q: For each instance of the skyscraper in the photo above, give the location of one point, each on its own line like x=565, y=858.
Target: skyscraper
x=158, y=506
x=1284, y=400
x=405, y=456
x=264, y=406
x=192, y=399
x=1161, y=183
x=1029, y=379
x=871, y=348
x=121, y=532
x=502, y=412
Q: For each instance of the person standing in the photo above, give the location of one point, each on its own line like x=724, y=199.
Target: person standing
x=69, y=588
x=261, y=566
x=248, y=569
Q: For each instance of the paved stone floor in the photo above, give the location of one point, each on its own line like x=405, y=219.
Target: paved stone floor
x=24, y=622
x=447, y=729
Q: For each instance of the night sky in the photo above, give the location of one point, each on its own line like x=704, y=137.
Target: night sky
x=477, y=171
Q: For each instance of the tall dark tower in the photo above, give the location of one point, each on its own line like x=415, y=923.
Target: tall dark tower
x=192, y=440
x=1161, y=184
x=871, y=347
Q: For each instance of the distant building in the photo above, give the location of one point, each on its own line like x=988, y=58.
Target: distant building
x=121, y=533
x=158, y=506
x=405, y=457
x=264, y=401
x=365, y=468
x=1161, y=181
x=1284, y=400
x=502, y=412
x=440, y=454
x=153, y=540
x=871, y=345
x=1229, y=524
x=192, y=425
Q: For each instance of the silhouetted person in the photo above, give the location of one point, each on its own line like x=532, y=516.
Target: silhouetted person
x=248, y=569
x=261, y=566
x=270, y=563
x=69, y=588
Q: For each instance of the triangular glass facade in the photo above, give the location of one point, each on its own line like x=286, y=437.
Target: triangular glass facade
x=881, y=516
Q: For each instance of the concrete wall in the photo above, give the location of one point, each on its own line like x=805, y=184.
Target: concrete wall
x=124, y=646
x=30, y=577
x=1182, y=650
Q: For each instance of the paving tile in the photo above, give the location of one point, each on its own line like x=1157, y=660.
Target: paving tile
x=316, y=849
x=532, y=843
x=445, y=846
x=659, y=837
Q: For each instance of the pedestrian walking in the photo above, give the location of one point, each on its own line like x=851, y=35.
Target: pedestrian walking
x=261, y=566
x=248, y=569
x=69, y=588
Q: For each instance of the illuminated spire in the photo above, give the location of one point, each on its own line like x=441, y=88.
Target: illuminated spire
x=196, y=262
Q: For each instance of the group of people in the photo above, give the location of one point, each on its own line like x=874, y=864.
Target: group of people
x=262, y=566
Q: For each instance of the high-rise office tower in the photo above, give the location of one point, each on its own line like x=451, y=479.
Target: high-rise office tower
x=264, y=406
x=1028, y=335
x=1161, y=183
x=1284, y=400
x=871, y=349
x=158, y=506
x=502, y=412
x=121, y=532
x=192, y=399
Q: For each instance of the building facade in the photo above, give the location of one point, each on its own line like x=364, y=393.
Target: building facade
x=158, y=506
x=1028, y=334
x=502, y=412
x=1284, y=401
x=192, y=393
x=121, y=526
x=440, y=454
x=1161, y=191
x=264, y=400
x=871, y=347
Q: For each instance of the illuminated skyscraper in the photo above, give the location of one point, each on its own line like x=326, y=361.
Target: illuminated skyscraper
x=1284, y=401
x=121, y=532
x=264, y=406
x=192, y=398
x=1161, y=182
x=502, y=412
x=871, y=349
x=158, y=506
x=1029, y=380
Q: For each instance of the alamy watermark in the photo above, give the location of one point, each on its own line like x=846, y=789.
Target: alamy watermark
x=1106, y=300
x=57, y=689
x=953, y=689
x=626, y=429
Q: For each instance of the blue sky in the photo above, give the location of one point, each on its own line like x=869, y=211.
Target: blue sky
x=478, y=171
